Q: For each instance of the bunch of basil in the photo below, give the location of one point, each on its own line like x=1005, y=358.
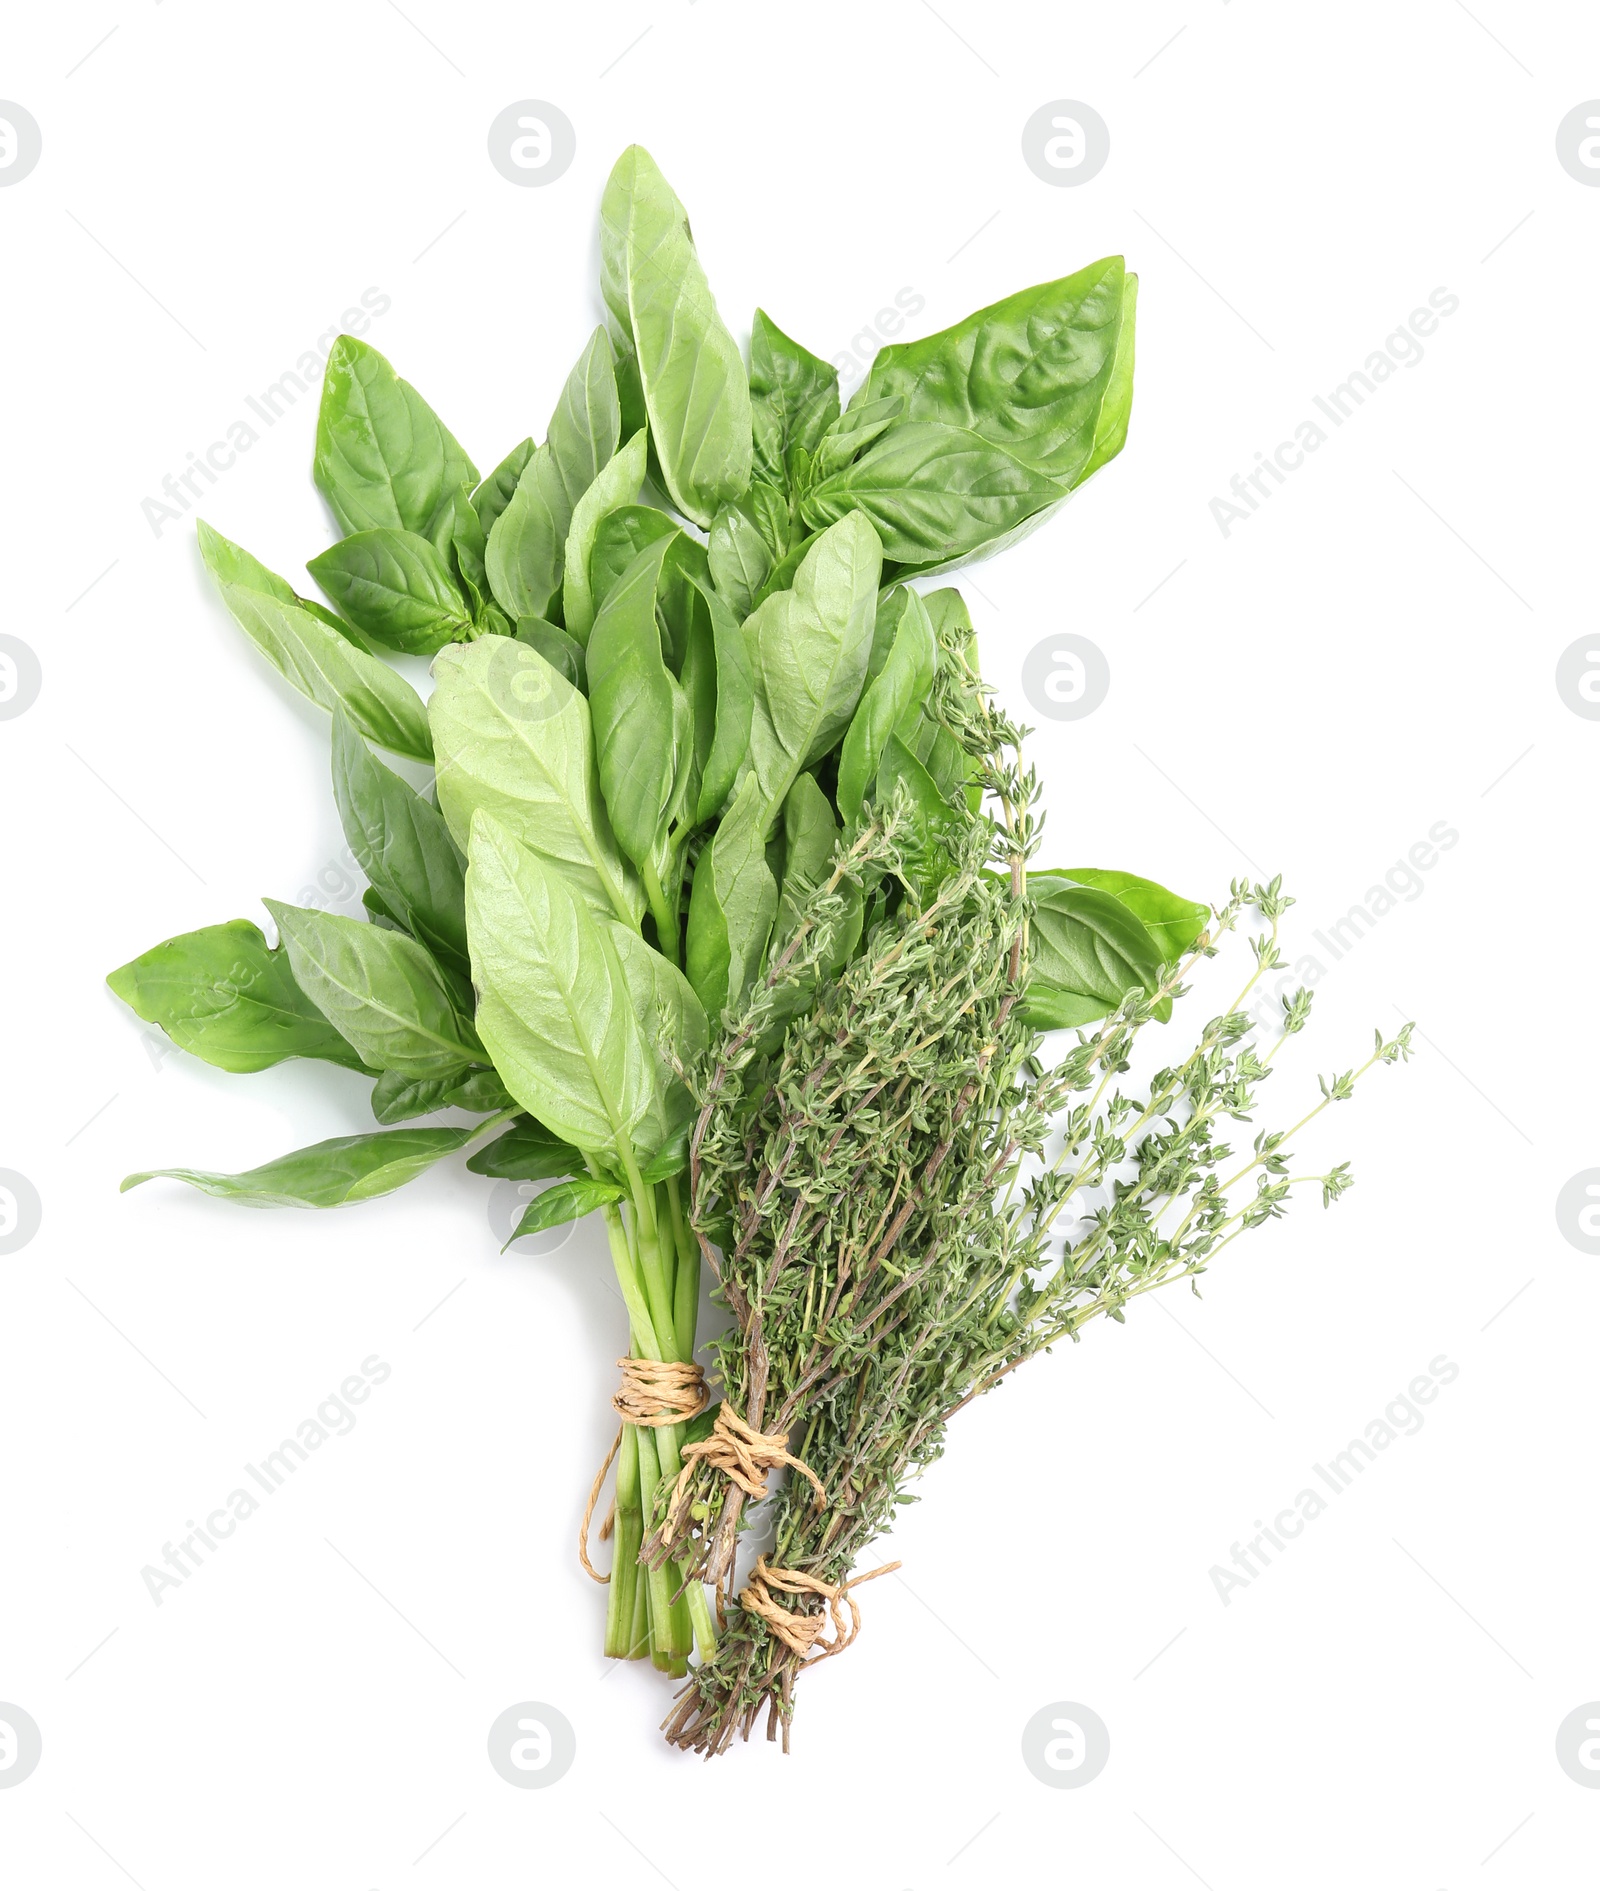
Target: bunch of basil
x=651, y=722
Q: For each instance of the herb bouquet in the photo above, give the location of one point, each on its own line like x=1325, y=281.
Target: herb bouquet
x=715, y=913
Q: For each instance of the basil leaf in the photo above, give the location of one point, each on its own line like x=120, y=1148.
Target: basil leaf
x=781, y=576
x=232, y=564
x=527, y=1152
x=395, y=587
x=732, y=904
x=403, y=846
x=811, y=646
x=850, y=435
x=567, y=1201
x=379, y=989
x=794, y=398
x=698, y=676
x=514, y=739
x=741, y=560
x=902, y=684
x=642, y=729
x=560, y=651
x=933, y=492
x=384, y=457
x=225, y=995
x=809, y=834
x=734, y=665
x=768, y=511
x=617, y=485
x=1087, y=951
x=554, y=1009
x=333, y=672
x=689, y=368
x=936, y=825
x=619, y=538
x=1111, y=426
x=482, y=1091
x=329, y=1174
x=586, y=427
x=673, y=1026
x=469, y=546
x=494, y=495
x=396, y=1098
x=1030, y=374
x=523, y=552
x=1173, y=922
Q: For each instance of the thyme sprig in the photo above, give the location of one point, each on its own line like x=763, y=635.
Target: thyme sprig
x=900, y=1195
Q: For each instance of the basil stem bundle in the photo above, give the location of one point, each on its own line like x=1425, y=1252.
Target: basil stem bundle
x=676, y=663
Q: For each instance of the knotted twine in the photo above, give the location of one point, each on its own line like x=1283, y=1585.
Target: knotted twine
x=803, y=1634
x=653, y=1393
x=743, y=1455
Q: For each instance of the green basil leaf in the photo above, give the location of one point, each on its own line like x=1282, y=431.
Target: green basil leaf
x=1111, y=425
x=586, y=427
x=329, y=1174
x=469, y=546
x=384, y=457
x=734, y=664
x=794, y=398
x=380, y=989
x=741, y=560
x=698, y=1429
x=395, y=587
x=809, y=834
x=378, y=911
x=396, y=1098
x=333, y=672
x=781, y=576
x=936, y=825
x=514, y=739
x=482, y=1091
x=672, y=1022
x=494, y=495
x=232, y=564
x=1087, y=951
x=403, y=846
x=617, y=485
x=1030, y=373
x=642, y=729
x=523, y=552
x=225, y=995
x=619, y=538
x=732, y=904
x=850, y=435
x=901, y=685
x=554, y=1009
x=934, y=493
x=1173, y=922
x=689, y=366
x=685, y=577
x=527, y=1152
x=567, y=1201
x=811, y=644
x=768, y=511
x=671, y=1159
x=698, y=676
x=560, y=651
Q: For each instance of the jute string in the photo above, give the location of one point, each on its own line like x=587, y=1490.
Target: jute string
x=653, y=1393
x=804, y=1635
x=743, y=1455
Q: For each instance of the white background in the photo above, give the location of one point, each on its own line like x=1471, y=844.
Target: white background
x=1372, y=653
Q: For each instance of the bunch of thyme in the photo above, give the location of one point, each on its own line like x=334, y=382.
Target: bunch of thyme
x=897, y=1200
